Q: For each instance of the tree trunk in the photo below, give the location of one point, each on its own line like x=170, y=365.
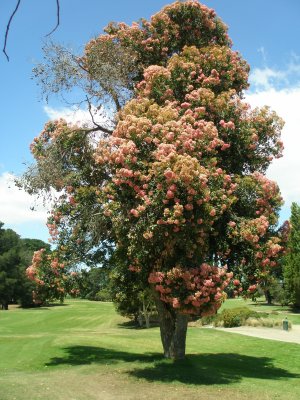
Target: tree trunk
x=4, y=306
x=146, y=315
x=173, y=329
x=268, y=297
x=140, y=318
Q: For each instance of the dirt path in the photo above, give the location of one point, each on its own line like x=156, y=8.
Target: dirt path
x=292, y=335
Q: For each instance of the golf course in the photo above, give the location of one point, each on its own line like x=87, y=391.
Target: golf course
x=84, y=350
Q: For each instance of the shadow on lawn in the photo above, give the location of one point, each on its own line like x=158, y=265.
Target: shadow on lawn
x=133, y=325
x=196, y=369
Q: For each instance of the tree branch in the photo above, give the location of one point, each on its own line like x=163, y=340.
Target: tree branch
x=7, y=28
x=99, y=127
x=57, y=16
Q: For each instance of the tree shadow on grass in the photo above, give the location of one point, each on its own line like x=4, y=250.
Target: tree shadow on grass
x=44, y=307
x=211, y=369
x=133, y=325
x=196, y=369
x=85, y=355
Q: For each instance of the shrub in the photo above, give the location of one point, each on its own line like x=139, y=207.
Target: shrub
x=103, y=295
x=278, y=294
x=235, y=317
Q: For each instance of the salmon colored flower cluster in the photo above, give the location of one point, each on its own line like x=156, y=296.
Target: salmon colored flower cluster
x=198, y=291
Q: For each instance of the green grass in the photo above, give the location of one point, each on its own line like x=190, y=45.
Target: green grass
x=85, y=351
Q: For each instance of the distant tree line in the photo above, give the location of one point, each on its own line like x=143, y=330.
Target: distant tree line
x=15, y=256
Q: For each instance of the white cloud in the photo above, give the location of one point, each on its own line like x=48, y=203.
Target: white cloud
x=265, y=78
x=79, y=116
x=285, y=101
x=16, y=205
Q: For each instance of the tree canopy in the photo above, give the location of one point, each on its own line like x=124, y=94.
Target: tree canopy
x=15, y=256
x=176, y=195
x=292, y=259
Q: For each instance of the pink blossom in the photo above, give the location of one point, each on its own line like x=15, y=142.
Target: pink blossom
x=134, y=212
x=170, y=194
x=212, y=212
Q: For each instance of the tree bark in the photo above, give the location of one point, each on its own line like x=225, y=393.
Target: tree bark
x=146, y=315
x=173, y=329
x=268, y=297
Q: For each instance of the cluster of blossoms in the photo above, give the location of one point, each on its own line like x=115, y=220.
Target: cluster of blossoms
x=53, y=224
x=52, y=280
x=269, y=197
x=198, y=291
x=52, y=131
x=152, y=42
x=48, y=274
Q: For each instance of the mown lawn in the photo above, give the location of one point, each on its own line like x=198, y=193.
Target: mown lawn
x=84, y=351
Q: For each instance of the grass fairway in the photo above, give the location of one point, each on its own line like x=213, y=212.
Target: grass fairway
x=84, y=351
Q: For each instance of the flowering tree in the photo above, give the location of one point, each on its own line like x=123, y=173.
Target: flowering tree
x=53, y=282
x=177, y=194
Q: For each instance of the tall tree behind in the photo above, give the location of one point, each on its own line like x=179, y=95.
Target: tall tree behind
x=15, y=256
x=26, y=287
x=9, y=265
x=292, y=259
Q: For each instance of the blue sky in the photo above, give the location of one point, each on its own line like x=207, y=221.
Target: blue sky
x=267, y=33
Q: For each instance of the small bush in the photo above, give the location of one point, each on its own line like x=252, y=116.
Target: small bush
x=103, y=295
x=235, y=317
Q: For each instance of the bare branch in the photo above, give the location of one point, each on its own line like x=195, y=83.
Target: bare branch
x=7, y=28
x=57, y=16
x=90, y=112
x=95, y=129
x=116, y=100
x=98, y=128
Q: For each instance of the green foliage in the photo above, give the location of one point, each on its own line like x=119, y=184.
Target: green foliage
x=292, y=259
x=10, y=261
x=230, y=318
x=15, y=257
x=130, y=296
x=94, y=281
x=103, y=295
x=278, y=293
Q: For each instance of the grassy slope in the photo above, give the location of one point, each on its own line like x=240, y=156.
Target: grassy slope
x=84, y=351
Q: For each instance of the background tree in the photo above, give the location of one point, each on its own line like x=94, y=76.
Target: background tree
x=26, y=288
x=95, y=284
x=132, y=299
x=177, y=194
x=292, y=259
x=15, y=256
x=10, y=261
